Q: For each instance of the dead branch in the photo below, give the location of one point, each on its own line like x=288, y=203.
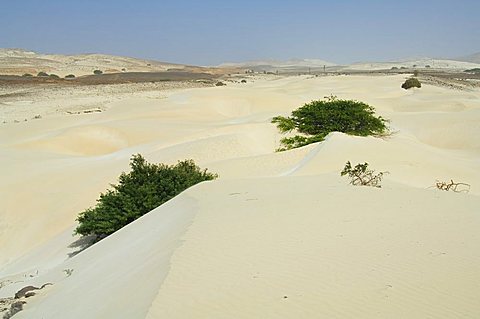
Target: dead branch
x=452, y=186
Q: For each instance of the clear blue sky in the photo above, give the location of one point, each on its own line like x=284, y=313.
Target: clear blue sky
x=208, y=32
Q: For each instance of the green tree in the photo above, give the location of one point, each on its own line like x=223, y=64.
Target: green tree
x=144, y=188
x=315, y=120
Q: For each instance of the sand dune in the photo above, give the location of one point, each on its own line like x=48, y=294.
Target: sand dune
x=278, y=235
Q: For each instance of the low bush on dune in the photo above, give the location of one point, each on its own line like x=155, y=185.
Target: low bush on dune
x=70, y=76
x=220, y=83
x=41, y=73
x=411, y=83
x=54, y=76
x=27, y=75
x=144, y=188
x=361, y=175
x=315, y=120
x=97, y=72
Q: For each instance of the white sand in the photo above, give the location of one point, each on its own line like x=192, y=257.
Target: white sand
x=279, y=235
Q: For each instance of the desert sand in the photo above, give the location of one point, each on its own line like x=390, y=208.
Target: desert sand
x=278, y=235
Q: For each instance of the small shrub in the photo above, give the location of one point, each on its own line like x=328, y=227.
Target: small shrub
x=97, y=72
x=41, y=73
x=393, y=68
x=474, y=70
x=243, y=81
x=144, y=188
x=54, y=76
x=219, y=83
x=361, y=175
x=70, y=76
x=415, y=73
x=27, y=75
x=427, y=66
x=68, y=272
x=410, y=83
x=315, y=120
x=15, y=307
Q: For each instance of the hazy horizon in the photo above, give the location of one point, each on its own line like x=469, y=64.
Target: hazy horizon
x=215, y=32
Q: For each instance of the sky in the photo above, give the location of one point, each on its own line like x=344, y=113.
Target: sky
x=210, y=32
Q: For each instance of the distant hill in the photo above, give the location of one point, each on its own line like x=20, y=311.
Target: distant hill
x=293, y=65
x=420, y=63
x=19, y=61
x=472, y=58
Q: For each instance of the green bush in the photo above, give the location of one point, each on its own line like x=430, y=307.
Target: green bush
x=415, y=73
x=41, y=73
x=474, y=70
x=220, y=83
x=410, y=83
x=315, y=120
x=70, y=76
x=144, y=188
x=97, y=72
x=54, y=76
x=27, y=75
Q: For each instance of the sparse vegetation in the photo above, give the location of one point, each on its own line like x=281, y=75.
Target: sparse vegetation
x=97, y=72
x=394, y=68
x=361, y=175
x=410, y=83
x=474, y=70
x=68, y=272
x=70, y=76
x=452, y=186
x=415, y=73
x=54, y=76
x=41, y=73
x=315, y=120
x=219, y=83
x=243, y=81
x=15, y=307
x=144, y=188
x=27, y=75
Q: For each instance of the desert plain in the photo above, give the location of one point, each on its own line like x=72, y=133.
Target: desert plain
x=277, y=235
